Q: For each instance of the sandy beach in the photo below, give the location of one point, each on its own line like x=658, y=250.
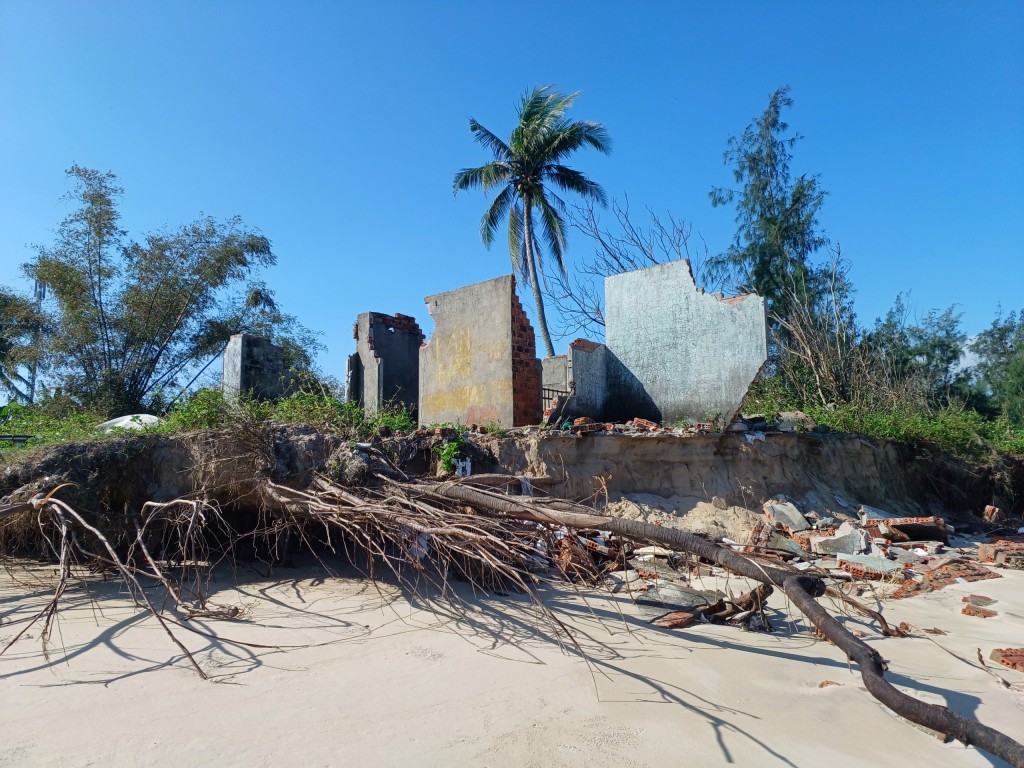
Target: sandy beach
x=338, y=671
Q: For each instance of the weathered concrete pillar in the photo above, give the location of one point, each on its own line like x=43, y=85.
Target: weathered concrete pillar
x=255, y=367
x=385, y=368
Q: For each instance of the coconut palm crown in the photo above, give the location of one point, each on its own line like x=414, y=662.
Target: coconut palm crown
x=528, y=169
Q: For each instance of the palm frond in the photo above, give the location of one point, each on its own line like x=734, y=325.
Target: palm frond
x=487, y=139
x=485, y=177
x=496, y=211
x=554, y=231
x=516, y=249
x=571, y=136
x=572, y=180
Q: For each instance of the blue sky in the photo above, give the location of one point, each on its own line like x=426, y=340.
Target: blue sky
x=336, y=128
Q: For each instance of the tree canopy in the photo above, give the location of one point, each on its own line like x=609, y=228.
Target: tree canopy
x=19, y=322
x=776, y=215
x=129, y=322
x=527, y=169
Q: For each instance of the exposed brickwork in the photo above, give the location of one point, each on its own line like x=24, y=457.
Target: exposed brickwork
x=398, y=321
x=585, y=344
x=973, y=610
x=1002, y=550
x=943, y=576
x=1010, y=657
x=526, y=368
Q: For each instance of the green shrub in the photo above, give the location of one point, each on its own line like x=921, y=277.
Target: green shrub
x=51, y=421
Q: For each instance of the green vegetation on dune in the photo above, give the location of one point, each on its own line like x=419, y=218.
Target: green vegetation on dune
x=52, y=421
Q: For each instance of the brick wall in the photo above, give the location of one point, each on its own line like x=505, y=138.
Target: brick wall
x=399, y=322
x=526, y=369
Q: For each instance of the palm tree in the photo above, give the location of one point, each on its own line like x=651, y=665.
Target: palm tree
x=526, y=168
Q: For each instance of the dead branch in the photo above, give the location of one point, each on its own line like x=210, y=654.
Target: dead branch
x=801, y=589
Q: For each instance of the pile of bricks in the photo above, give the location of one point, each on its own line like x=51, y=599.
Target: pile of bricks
x=893, y=525
x=1003, y=550
x=803, y=538
x=526, y=370
x=864, y=571
x=583, y=424
x=1009, y=657
x=943, y=576
x=981, y=613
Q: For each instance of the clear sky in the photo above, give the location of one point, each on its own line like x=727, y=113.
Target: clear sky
x=336, y=127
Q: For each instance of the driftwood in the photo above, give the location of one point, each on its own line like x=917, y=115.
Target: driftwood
x=801, y=589
x=464, y=531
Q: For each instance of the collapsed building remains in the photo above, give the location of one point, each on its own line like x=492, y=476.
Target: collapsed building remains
x=385, y=368
x=672, y=353
x=480, y=365
x=255, y=367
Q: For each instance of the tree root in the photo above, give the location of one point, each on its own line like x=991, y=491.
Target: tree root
x=801, y=589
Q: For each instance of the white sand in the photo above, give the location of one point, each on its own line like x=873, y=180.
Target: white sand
x=384, y=683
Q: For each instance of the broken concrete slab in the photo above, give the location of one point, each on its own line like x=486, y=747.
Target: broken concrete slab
x=848, y=540
x=873, y=513
x=786, y=514
x=906, y=529
x=673, y=597
x=1002, y=550
x=982, y=613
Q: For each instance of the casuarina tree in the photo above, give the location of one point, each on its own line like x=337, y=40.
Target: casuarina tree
x=529, y=172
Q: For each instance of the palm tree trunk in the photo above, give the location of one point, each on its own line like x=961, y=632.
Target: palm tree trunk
x=531, y=266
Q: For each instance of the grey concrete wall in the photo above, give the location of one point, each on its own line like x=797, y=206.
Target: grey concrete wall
x=385, y=367
x=588, y=377
x=466, y=367
x=677, y=353
x=555, y=373
x=253, y=366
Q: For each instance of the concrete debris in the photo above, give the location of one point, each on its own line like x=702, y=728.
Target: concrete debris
x=869, y=566
x=993, y=515
x=1003, y=550
x=672, y=597
x=982, y=613
x=956, y=572
x=910, y=528
x=873, y=513
x=784, y=514
x=980, y=601
x=847, y=540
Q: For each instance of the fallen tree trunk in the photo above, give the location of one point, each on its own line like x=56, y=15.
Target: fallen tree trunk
x=801, y=589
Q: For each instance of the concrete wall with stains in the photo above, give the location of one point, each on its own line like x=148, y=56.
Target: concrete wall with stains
x=466, y=369
x=676, y=352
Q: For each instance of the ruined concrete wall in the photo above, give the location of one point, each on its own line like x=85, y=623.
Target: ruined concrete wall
x=480, y=366
x=555, y=373
x=253, y=366
x=588, y=378
x=676, y=352
x=385, y=368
